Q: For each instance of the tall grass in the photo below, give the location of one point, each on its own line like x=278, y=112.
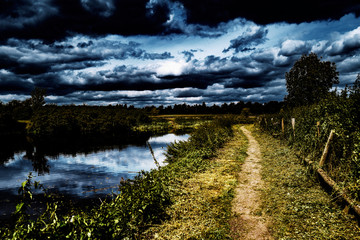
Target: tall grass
x=142, y=202
x=312, y=127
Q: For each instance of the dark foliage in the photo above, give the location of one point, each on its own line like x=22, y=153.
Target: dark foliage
x=309, y=80
x=69, y=120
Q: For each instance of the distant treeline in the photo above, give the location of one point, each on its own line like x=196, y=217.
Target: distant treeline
x=33, y=116
x=20, y=117
x=232, y=108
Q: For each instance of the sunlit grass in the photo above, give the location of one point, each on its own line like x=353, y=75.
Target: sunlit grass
x=202, y=202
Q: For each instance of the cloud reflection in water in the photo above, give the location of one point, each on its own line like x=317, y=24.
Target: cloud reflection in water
x=81, y=174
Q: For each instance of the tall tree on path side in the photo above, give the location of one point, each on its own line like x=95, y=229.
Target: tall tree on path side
x=309, y=80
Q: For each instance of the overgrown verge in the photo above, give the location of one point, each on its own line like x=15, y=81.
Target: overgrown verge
x=142, y=203
x=296, y=203
x=311, y=131
x=202, y=198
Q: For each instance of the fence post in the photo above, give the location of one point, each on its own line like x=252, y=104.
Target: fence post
x=318, y=128
x=282, y=126
x=293, y=125
x=326, y=149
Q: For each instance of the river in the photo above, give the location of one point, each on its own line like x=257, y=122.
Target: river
x=83, y=171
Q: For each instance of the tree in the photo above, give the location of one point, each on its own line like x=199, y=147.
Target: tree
x=310, y=80
x=38, y=98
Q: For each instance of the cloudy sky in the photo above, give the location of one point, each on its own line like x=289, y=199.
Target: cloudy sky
x=152, y=52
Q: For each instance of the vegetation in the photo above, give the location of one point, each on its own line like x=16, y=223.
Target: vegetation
x=202, y=201
x=310, y=80
x=142, y=202
x=238, y=108
x=37, y=99
x=313, y=123
x=70, y=120
x=38, y=119
x=297, y=205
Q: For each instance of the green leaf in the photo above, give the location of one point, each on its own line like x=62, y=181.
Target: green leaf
x=24, y=184
x=19, y=207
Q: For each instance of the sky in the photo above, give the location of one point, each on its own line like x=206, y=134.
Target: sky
x=165, y=52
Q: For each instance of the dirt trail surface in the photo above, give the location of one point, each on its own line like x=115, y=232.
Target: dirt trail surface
x=247, y=224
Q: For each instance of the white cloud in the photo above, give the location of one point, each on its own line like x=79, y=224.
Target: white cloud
x=172, y=68
x=292, y=47
x=347, y=42
x=9, y=97
x=320, y=46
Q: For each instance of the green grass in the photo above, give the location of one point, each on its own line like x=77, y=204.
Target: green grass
x=295, y=201
x=193, y=187
x=202, y=201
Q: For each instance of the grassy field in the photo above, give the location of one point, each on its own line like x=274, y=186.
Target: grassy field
x=294, y=199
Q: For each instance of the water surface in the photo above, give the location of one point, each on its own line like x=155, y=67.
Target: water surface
x=84, y=174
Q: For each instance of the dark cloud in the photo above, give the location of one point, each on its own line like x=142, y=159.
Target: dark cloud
x=20, y=14
x=265, y=12
x=35, y=58
x=11, y=83
x=248, y=40
x=80, y=50
x=210, y=60
x=153, y=56
x=188, y=55
x=75, y=65
x=192, y=92
x=103, y=8
x=85, y=44
x=57, y=19
x=52, y=20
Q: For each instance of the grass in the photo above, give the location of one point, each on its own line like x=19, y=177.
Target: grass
x=295, y=201
x=202, y=201
x=176, y=122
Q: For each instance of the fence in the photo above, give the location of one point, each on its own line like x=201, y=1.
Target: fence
x=286, y=129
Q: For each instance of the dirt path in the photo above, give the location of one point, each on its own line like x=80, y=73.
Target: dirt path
x=247, y=224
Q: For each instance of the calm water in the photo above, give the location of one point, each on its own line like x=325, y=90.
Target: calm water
x=82, y=174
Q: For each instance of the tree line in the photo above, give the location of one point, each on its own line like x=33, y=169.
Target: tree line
x=51, y=119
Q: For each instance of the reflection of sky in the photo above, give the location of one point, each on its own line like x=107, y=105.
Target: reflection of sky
x=77, y=175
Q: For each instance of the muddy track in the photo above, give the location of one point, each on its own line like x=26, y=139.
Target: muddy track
x=247, y=223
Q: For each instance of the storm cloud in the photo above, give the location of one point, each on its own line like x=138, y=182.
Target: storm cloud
x=153, y=52
x=248, y=40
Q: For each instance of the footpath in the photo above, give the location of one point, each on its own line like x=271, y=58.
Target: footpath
x=247, y=224
x=278, y=198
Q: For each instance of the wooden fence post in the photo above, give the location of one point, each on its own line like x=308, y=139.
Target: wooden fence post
x=318, y=128
x=282, y=126
x=293, y=125
x=326, y=149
